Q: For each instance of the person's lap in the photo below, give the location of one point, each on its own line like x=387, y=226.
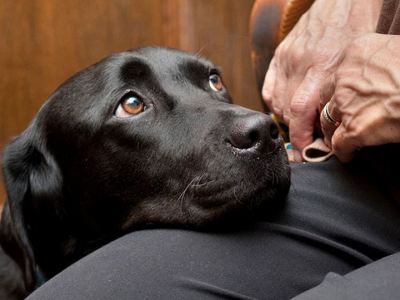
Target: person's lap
x=335, y=220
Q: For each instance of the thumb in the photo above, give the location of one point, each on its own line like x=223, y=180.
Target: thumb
x=303, y=114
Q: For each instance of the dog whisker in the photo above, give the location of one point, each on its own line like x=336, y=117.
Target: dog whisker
x=182, y=195
x=201, y=49
x=200, y=178
x=197, y=184
x=237, y=199
x=204, y=183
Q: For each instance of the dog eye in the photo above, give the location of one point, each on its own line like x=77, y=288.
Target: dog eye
x=215, y=82
x=130, y=105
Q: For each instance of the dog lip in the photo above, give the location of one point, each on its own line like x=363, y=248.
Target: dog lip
x=234, y=198
x=211, y=188
x=210, y=196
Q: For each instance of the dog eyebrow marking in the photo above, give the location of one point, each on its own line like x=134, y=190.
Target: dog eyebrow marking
x=138, y=73
x=135, y=68
x=196, y=70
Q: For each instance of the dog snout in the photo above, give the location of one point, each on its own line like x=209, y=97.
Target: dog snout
x=257, y=133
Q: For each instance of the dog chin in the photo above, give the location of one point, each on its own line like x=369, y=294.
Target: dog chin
x=230, y=213
x=238, y=201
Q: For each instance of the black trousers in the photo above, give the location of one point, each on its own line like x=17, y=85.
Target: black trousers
x=339, y=227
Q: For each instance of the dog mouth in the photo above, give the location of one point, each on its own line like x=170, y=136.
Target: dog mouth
x=218, y=193
x=232, y=203
x=239, y=189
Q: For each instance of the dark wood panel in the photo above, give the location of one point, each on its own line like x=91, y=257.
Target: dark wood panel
x=44, y=42
x=219, y=30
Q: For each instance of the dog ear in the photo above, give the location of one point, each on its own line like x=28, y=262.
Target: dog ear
x=31, y=177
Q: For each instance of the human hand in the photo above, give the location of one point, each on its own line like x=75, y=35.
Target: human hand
x=307, y=56
x=364, y=96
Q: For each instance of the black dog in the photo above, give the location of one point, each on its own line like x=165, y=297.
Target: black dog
x=141, y=139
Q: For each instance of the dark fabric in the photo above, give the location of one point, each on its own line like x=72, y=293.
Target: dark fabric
x=380, y=280
x=389, y=18
x=336, y=219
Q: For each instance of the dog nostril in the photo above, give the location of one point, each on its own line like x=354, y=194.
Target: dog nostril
x=241, y=138
x=254, y=131
x=247, y=133
x=274, y=131
x=254, y=136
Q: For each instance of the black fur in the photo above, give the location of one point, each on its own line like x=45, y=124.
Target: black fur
x=79, y=176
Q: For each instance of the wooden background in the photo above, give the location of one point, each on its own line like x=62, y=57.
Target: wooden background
x=43, y=42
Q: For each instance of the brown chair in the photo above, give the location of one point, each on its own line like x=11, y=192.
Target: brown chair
x=270, y=22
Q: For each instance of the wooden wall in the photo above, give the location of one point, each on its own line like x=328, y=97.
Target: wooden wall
x=43, y=42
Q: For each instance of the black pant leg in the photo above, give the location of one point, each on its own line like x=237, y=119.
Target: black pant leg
x=335, y=220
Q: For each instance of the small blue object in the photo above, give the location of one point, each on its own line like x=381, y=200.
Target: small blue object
x=288, y=146
x=40, y=277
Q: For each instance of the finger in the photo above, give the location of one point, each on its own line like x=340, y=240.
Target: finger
x=269, y=84
x=327, y=91
x=278, y=97
x=329, y=113
x=332, y=113
x=325, y=132
x=304, y=114
x=343, y=146
x=298, y=65
x=291, y=88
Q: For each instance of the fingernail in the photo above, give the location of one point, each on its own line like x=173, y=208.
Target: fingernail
x=297, y=156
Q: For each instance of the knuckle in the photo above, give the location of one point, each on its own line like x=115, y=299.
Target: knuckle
x=342, y=95
x=360, y=43
x=266, y=95
x=297, y=58
x=358, y=46
x=281, y=51
x=278, y=112
x=286, y=119
x=269, y=103
x=299, y=105
x=353, y=129
x=340, y=74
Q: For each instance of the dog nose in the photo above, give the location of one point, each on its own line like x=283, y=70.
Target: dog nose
x=256, y=132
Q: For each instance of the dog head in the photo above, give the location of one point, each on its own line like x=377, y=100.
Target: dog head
x=143, y=138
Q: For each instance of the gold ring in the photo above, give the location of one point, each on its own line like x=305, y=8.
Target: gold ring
x=328, y=117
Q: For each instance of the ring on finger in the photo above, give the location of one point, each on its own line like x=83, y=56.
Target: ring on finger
x=328, y=117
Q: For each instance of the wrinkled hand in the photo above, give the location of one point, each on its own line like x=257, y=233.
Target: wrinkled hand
x=309, y=55
x=364, y=95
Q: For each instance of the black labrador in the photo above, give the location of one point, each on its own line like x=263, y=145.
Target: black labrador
x=141, y=139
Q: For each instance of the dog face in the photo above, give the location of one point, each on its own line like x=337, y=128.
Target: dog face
x=143, y=138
